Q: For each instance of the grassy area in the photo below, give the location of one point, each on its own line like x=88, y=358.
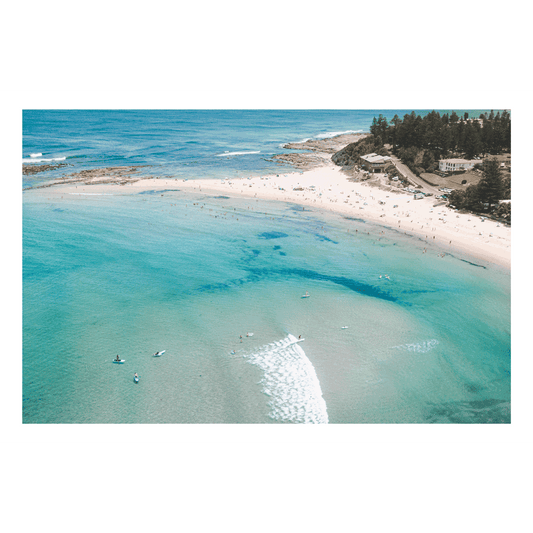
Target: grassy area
x=453, y=181
x=472, y=177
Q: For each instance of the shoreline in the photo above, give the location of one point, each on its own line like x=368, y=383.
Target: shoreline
x=328, y=187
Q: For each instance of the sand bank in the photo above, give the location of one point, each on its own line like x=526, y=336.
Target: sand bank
x=328, y=188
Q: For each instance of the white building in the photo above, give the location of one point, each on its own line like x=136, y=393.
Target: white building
x=374, y=162
x=453, y=165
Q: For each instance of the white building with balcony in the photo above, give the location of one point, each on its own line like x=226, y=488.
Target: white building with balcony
x=453, y=165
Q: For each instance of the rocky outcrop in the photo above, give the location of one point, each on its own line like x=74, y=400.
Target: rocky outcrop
x=315, y=153
x=302, y=161
x=329, y=145
x=116, y=175
x=35, y=169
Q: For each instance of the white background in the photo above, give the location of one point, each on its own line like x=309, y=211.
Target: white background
x=13, y=101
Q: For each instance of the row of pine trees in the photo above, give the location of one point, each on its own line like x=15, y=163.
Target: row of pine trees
x=442, y=135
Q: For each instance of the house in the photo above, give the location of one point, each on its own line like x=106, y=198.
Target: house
x=454, y=165
x=374, y=162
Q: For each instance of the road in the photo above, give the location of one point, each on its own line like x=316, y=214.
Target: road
x=419, y=183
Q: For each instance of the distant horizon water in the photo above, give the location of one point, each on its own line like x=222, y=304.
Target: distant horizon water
x=182, y=143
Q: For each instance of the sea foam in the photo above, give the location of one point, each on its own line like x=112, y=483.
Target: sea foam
x=422, y=347
x=330, y=134
x=291, y=382
x=33, y=159
x=225, y=154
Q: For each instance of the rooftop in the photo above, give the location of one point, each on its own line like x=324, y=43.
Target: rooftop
x=457, y=160
x=375, y=158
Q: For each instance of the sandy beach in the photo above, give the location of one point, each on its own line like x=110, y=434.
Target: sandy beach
x=330, y=189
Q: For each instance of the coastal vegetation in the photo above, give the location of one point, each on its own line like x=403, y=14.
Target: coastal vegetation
x=420, y=142
x=488, y=194
x=350, y=155
x=442, y=135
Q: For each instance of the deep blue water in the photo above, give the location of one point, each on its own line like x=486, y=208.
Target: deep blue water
x=181, y=143
x=131, y=274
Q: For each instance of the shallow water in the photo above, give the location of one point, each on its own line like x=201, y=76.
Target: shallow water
x=130, y=275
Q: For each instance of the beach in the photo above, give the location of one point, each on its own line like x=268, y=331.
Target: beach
x=328, y=188
x=283, y=288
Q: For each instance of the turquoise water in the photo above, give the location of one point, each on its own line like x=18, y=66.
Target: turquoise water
x=133, y=274
x=193, y=275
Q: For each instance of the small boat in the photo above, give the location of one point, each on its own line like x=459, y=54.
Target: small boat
x=136, y=378
x=159, y=354
x=119, y=362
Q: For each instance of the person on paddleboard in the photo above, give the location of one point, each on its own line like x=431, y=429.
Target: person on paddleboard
x=118, y=358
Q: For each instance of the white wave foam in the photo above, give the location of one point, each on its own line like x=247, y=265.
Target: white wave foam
x=320, y=136
x=226, y=154
x=291, y=382
x=36, y=155
x=33, y=160
x=330, y=134
x=422, y=347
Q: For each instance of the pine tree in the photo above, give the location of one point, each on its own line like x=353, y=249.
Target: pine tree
x=490, y=189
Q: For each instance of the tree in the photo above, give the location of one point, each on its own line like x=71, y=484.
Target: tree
x=428, y=161
x=472, y=143
x=490, y=189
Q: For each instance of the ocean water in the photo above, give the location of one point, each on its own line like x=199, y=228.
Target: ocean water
x=182, y=144
x=218, y=284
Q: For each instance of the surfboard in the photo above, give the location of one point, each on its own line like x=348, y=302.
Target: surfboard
x=159, y=354
x=119, y=362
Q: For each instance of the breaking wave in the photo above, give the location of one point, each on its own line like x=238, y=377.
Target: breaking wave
x=33, y=159
x=291, y=382
x=226, y=154
x=422, y=347
x=330, y=134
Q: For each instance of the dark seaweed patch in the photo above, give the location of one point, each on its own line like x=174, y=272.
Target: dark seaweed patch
x=272, y=235
x=470, y=263
x=490, y=411
x=353, y=285
x=324, y=238
x=152, y=192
